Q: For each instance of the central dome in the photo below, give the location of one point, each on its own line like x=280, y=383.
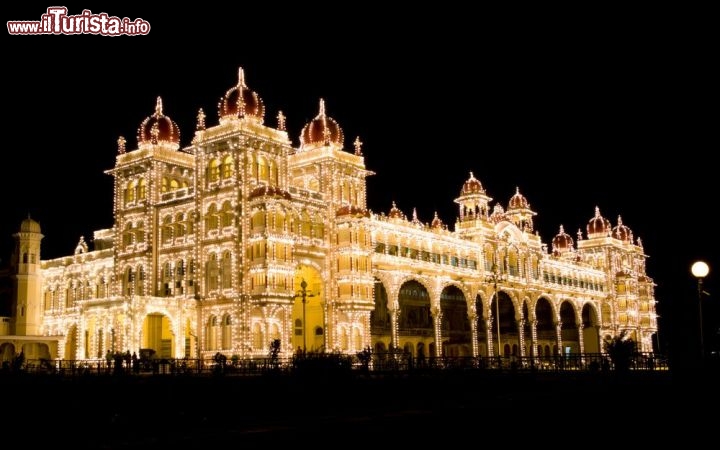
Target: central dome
x=240, y=102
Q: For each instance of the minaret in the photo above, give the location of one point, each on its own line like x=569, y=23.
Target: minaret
x=27, y=307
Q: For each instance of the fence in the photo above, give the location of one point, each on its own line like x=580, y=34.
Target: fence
x=377, y=363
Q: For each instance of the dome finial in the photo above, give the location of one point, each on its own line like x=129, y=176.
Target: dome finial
x=241, y=77
x=322, y=108
x=597, y=211
x=158, y=107
x=121, y=144
x=201, y=119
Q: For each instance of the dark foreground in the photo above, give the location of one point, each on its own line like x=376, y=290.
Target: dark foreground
x=323, y=411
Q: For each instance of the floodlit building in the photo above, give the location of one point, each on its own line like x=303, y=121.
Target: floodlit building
x=242, y=238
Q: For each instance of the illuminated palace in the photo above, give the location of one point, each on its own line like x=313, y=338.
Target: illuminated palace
x=242, y=238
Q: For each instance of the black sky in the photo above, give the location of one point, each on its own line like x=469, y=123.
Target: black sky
x=578, y=110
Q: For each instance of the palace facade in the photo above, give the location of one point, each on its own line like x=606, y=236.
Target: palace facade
x=241, y=238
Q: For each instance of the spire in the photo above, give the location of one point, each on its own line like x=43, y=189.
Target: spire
x=281, y=121
x=200, y=120
x=241, y=77
x=358, y=146
x=158, y=107
x=121, y=144
x=240, y=89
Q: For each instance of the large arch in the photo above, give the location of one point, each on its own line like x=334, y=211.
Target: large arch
x=308, y=311
x=455, y=326
x=415, y=321
x=380, y=318
x=569, y=328
x=158, y=335
x=546, y=337
x=482, y=329
x=505, y=331
x=591, y=329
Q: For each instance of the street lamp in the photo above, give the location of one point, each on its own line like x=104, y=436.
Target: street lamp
x=700, y=269
x=494, y=278
x=304, y=294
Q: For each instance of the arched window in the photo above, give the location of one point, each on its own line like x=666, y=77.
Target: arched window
x=211, y=334
x=226, y=332
x=263, y=174
x=227, y=215
x=180, y=225
x=165, y=184
x=142, y=189
x=211, y=218
x=130, y=192
x=128, y=281
x=212, y=272
x=140, y=281
x=213, y=171
x=166, y=232
x=227, y=167
x=226, y=270
x=139, y=232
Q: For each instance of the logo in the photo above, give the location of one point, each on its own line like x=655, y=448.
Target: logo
x=57, y=21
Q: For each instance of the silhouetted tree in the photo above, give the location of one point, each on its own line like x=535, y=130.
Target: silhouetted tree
x=620, y=349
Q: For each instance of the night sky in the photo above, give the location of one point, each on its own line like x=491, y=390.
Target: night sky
x=615, y=112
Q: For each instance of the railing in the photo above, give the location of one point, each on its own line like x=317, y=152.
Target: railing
x=378, y=363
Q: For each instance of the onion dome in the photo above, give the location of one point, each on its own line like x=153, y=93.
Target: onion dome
x=321, y=131
x=29, y=226
x=472, y=186
x=437, y=223
x=498, y=214
x=158, y=129
x=395, y=212
x=598, y=226
x=240, y=102
x=622, y=232
x=562, y=242
x=518, y=201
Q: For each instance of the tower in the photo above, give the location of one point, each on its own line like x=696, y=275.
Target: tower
x=27, y=285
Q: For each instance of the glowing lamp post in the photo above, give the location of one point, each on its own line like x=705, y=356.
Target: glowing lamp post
x=700, y=269
x=304, y=294
x=496, y=278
